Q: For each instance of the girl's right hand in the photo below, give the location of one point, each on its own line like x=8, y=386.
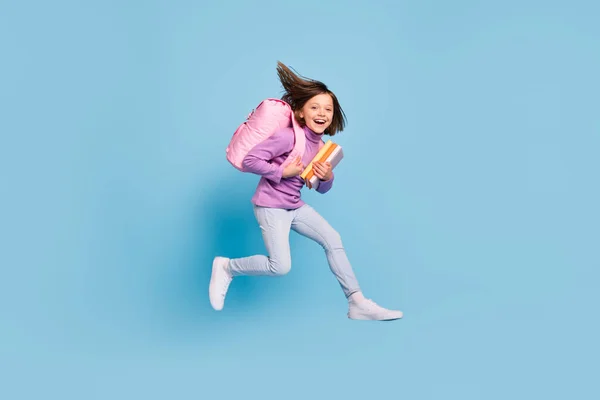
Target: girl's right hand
x=294, y=168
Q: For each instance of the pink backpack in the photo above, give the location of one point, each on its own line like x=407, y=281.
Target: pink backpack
x=268, y=117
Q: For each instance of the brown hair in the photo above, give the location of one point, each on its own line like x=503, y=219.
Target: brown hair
x=298, y=90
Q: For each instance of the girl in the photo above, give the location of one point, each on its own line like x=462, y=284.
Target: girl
x=278, y=206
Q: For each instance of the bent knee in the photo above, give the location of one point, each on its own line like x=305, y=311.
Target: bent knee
x=333, y=241
x=279, y=267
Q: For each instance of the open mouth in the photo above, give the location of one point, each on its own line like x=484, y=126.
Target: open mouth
x=319, y=121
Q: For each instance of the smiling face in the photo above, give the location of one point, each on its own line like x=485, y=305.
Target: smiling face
x=318, y=113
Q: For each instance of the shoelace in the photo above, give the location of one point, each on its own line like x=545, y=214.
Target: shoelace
x=370, y=304
x=227, y=281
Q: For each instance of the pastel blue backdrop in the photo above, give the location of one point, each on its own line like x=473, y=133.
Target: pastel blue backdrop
x=468, y=198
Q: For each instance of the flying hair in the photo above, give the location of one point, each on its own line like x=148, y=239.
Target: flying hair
x=298, y=90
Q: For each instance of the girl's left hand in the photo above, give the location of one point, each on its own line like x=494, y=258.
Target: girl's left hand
x=322, y=170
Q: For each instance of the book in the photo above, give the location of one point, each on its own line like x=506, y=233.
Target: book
x=331, y=153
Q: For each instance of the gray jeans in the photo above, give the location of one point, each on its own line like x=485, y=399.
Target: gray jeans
x=275, y=225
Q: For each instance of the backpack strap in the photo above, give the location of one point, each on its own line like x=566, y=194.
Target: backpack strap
x=299, y=141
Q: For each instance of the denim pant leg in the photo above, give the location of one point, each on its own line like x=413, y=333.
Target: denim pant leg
x=275, y=226
x=312, y=225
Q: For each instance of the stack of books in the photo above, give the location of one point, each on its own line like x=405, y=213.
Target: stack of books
x=330, y=153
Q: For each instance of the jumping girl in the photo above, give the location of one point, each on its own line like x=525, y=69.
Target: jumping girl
x=278, y=206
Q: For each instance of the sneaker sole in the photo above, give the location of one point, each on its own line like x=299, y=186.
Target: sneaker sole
x=365, y=318
x=215, y=265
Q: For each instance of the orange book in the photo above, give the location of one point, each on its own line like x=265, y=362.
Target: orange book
x=331, y=153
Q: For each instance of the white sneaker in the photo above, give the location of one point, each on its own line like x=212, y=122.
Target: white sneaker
x=368, y=310
x=219, y=282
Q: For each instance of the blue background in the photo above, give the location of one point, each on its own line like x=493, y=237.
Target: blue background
x=468, y=198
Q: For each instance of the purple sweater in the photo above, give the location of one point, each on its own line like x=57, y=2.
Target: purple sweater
x=266, y=160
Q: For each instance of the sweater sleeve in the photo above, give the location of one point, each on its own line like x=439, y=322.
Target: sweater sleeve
x=325, y=186
x=258, y=160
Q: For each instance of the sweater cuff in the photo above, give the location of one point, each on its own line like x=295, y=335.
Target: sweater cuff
x=276, y=174
x=325, y=186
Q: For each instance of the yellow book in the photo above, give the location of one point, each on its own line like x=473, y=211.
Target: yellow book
x=331, y=153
